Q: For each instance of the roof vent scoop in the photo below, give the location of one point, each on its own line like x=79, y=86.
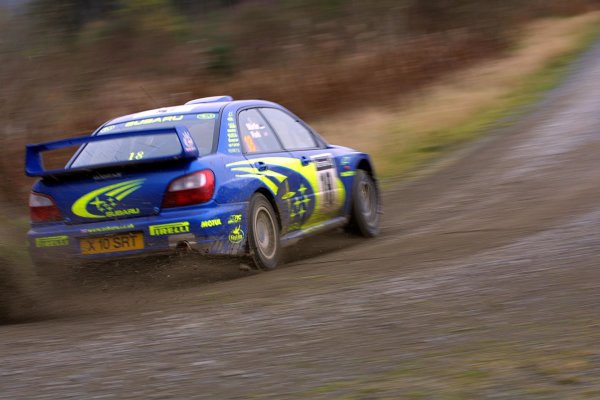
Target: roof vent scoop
x=212, y=99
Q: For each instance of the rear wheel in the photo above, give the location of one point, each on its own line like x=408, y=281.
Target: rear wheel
x=263, y=235
x=365, y=216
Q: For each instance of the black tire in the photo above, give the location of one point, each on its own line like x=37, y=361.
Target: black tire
x=366, y=206
x=263, y=233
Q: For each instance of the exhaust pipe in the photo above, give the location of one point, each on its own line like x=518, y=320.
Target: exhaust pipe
x=183, y=247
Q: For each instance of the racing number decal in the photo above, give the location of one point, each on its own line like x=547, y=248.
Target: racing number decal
x=326, y=181
x=136, y=156
x=326, y=187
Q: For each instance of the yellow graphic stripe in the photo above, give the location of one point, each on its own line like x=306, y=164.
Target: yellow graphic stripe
x=285, y=162
x=124, y=186
x=252, y=170
x=127, y=192
x=294, y=164
x=272, y=186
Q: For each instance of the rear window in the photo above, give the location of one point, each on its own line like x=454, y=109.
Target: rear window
x=201, y=127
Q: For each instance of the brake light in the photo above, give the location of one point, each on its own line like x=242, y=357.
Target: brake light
x=190, y=189
x=43, y=209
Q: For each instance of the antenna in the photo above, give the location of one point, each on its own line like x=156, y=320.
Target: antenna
x=150, y=97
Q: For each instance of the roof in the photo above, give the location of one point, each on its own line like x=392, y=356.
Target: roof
x=207, y=104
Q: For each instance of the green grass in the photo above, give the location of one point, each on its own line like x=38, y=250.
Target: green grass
x=472, y=371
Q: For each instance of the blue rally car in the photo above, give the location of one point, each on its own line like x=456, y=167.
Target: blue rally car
x=215, y=175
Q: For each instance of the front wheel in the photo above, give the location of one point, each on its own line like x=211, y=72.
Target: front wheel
x=365, y=216
x=263, y=236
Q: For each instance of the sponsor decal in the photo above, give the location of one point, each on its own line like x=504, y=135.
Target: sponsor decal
x=52, y=241
x=108, y=228
x=206, y=116
x=105, y=202
x=251, y=126
x=345, y=160
x=100, y=177
x=323, y=162
x=107, y=129
x=234, y=219
x=233, y=141
x=188, y=142
x=210, y=223
x=236, y=235
x=347, y=173
x=148, y=121
x=169, y=229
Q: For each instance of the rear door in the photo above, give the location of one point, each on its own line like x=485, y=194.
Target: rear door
x=317, y=163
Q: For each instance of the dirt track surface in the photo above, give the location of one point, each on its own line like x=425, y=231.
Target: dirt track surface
x=483, y=284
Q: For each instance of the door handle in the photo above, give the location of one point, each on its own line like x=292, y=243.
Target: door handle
x=261, y=166
x=305, y=160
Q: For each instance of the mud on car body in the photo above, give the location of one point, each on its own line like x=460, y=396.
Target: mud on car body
x=214, y=175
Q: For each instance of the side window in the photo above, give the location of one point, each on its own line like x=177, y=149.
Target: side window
x=293, y=135
x=257, y=137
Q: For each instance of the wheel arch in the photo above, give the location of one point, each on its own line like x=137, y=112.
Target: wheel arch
x=271, y=198
x=365, y=165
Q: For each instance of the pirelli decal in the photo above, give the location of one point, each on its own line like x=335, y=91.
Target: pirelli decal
x=169, y=229
x=52, y=241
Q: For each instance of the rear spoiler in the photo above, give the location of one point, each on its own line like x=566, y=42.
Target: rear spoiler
x=34, y=165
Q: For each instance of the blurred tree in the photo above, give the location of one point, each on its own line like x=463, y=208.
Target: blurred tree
x=67, y=17
x=202, y=6
x=150, y=17
x=221, y=60
x=441, y=15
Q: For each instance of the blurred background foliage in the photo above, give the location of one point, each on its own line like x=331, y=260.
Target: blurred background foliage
x=68, y=66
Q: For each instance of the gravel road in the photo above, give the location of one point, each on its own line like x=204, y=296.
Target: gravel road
x=483, y=284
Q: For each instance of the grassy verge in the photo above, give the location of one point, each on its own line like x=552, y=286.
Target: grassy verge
x=475, y=371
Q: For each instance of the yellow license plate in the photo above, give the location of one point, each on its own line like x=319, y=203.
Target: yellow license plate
x=112, y=243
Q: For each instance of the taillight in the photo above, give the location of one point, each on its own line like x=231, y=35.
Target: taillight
x=190, y=189
x=43, y=209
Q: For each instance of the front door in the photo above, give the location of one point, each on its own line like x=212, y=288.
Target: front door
x=320, y=194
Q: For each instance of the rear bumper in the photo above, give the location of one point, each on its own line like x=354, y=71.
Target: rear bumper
x=219, y=231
